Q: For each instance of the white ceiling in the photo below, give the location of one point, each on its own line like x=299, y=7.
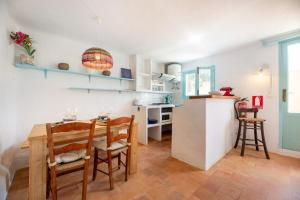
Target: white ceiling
x=165, y=30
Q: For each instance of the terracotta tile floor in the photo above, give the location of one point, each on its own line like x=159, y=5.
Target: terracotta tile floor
x=162, y=177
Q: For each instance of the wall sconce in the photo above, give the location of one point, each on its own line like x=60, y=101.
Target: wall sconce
x=262, y=70
x=265, y=70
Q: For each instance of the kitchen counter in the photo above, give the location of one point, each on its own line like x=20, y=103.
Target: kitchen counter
x=215, y=97
x=157, y=106
x=203, y=131
x=153, y=130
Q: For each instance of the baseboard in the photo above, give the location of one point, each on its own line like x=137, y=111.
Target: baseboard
x=287, y=152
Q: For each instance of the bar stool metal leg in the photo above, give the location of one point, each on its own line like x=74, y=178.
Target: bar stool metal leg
x=255, y=136
x=263, y=139
x=238, y=134
x=244, y=138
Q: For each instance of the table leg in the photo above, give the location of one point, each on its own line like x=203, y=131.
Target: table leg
x=37, y=169
x=133, y=152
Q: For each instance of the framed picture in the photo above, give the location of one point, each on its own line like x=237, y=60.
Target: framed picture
x=258, y=102
x=126, y=73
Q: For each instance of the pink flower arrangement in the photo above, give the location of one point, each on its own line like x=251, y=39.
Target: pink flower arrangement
x=24, y=41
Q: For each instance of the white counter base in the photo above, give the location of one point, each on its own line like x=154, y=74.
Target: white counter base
x=203, y=131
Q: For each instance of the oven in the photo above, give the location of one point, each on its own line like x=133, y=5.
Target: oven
x=166, y=115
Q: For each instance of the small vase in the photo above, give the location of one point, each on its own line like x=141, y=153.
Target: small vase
x=26, y=59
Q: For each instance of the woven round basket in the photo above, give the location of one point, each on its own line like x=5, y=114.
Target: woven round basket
x=63, y=66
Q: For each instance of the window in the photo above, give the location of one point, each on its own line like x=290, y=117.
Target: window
x=293, y=72
x=198, y=82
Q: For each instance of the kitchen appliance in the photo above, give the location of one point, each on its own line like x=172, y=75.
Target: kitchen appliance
x=227, y=91
x=166, y=115
x=173, y=73
x=175, y=70
x=164, y=77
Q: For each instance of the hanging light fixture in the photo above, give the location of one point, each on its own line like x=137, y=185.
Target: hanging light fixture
x=97, y=59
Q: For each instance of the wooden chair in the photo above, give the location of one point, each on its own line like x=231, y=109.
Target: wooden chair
x=67, y=158
x=116, y=144
x=253, y=123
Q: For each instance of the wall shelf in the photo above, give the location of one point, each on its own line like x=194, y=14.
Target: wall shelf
x=52, y=69
x=89, y=89
x=100, y=89
x=144, y=74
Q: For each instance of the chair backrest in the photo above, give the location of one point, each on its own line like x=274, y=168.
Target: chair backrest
x=116, y=127
x=53, y=130
x=242, y=112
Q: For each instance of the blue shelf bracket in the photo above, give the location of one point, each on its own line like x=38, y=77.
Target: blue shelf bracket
x=90, y=78
x=45, y=73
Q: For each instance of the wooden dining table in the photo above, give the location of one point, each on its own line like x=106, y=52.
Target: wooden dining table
x=37, y=143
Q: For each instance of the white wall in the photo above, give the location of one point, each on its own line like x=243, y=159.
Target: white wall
x=237, y=69
x=41, y=100
x=8, y=82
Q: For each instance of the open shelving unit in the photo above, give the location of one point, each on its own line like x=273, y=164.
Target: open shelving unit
x=154, y=131
x=143, y=78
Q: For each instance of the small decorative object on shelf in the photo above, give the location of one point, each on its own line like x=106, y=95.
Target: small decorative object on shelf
x=63, y=66
x=23, y=40
x=126, y=73
x=71, y=115
x=103, y=116
x=96, y=59
x=106, y=73
x=168, y=99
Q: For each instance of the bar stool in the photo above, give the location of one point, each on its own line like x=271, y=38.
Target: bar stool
x=254, y=124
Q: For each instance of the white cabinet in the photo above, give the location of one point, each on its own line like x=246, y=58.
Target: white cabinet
x=154, y=131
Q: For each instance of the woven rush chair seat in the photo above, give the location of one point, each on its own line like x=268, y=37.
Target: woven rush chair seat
x=115, y=146
x=251, y=120
x=69, y=157
x=61, y=168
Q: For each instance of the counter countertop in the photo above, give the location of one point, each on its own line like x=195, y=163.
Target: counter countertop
x=158, y=106
x=215, y=97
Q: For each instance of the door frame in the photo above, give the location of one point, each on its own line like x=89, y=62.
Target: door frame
x=283, y=84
